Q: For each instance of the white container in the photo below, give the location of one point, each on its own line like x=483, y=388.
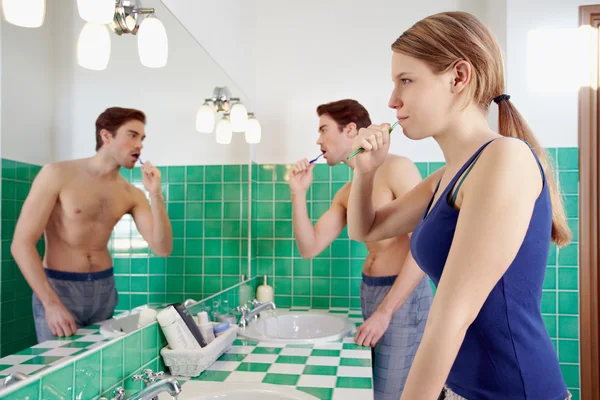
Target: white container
x=191, y=363
x=176, y=331
x=147, y=316
x=206, y=327
x=264, y=292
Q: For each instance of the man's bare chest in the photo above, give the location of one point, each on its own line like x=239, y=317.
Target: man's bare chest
x=95, y=202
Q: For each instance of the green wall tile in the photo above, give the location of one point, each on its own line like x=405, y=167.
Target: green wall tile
x=321, y=173
x=213, y=173
x=132, y=353
x=58, y=385
x=568, y=278
x=87, y=376
x=175, y=174
x=568, y=303
x=195, y=174
x=112, y=364
x=568, y=159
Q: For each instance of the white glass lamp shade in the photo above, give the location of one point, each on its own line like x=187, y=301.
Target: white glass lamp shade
x=25, y=13
x=253, y=131
x=153, y=44
x=93, y=48
x=224, y=132
x=205, y=119
x=239, y=117
x=97, y=11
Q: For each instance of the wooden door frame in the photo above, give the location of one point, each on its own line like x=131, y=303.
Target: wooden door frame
x=589, y=238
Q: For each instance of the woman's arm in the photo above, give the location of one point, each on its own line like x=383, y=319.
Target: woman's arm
x=399, y=217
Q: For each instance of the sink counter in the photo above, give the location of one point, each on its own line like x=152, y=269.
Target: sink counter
x=42, y=356
x=331, y=370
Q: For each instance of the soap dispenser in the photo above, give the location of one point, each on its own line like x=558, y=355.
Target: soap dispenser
x=264, y=292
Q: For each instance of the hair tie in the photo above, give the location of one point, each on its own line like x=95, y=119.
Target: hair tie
x=500, y=98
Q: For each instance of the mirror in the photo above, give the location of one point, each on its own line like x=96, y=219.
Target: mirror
x=49, y=108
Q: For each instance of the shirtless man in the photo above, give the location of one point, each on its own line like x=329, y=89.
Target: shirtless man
x=76, y=204
x=395, y=294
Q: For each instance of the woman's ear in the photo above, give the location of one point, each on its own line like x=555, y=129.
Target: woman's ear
x=461, y=76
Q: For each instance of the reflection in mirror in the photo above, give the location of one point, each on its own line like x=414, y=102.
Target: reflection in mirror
x=50, y=104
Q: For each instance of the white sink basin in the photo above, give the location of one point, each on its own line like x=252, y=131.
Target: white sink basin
x=126, y=322
x=200, y=390
x=299, y=327
x=119, y=325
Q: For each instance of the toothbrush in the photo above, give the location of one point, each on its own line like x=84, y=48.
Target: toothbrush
x=140, y=160
x=358, y=151
x=319, y=156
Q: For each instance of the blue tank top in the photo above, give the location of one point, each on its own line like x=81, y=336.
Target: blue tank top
x=507, y=353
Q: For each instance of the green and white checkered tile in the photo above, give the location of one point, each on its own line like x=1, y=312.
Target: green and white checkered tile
x=41, y=356
x=331, y=370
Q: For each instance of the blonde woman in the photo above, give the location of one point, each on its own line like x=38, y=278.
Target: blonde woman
x=482, y=226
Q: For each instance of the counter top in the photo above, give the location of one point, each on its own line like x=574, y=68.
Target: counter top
x=36, y=359
x=331, y=370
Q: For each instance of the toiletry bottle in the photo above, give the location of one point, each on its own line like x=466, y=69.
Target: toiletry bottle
x=176, y=331
x=245, y=291
x=189, y=321
x=264, y=292
x=206, y=327
x=147, y=316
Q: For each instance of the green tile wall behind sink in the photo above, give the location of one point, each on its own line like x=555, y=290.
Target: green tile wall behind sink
x=208, y=208
x=332, y=278
x=16, y=319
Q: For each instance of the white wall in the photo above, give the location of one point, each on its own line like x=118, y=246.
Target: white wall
x=326, y=51
x=169, y=96
x=545, y=66
x=333, y=51
x=226, y=30
x=27, y=92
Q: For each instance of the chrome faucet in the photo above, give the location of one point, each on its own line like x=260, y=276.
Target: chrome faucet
x=153, y=387
x=250, y=314
x=119, y=394
x=14, y=377
x=170, y=385
x=189, y=302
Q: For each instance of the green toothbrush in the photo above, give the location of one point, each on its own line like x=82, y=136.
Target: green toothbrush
x=358, y=151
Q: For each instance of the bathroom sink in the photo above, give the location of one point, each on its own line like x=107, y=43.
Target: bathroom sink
x=126, y=322
x=119, y=325
x=298, y=327
x=200, y=390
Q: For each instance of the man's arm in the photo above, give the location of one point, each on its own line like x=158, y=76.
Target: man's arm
x=153, y=222
x=31, y=225
x=313, y=240
x=410, y=275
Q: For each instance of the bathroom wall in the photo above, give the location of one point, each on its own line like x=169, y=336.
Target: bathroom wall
x=227, y=31
x=27, y=92
x=16, y=321
x=170, y=95
x=208, y=208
